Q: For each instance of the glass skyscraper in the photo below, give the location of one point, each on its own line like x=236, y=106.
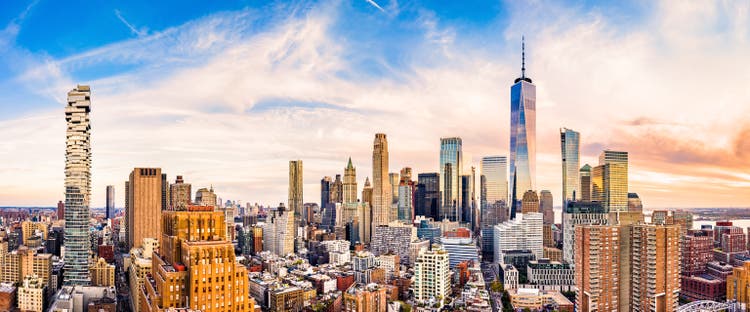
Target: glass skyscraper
x=77, y=186
x=450, y=174
x=609, y=181
x=570, y=147
x=494, y=180
x=522, y=136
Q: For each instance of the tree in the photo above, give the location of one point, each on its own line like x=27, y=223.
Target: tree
x=497, y=286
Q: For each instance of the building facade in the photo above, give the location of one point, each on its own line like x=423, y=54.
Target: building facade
x=570, y=150
x=450, y=174
x=381, y=190
x=144, y=205
x=77, y=186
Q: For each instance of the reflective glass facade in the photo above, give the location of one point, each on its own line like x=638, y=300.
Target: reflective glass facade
x=522, y=137
x=609, y=181
x=77, y=186
x=570, y=147
x=450, y=173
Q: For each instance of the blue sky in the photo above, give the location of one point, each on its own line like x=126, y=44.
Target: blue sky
x=225, y=92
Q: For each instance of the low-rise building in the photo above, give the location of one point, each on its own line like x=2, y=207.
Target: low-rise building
x=546, y=272
x=31, y=294
x=535, y=299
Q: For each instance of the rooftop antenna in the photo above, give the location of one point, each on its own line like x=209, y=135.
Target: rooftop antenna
x=523, y=57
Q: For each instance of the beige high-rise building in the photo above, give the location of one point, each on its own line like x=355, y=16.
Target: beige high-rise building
x=655, y=267
x=30, y=229
x=179, y=194
x=597, y=263
x=350, y=183
x=381, y=192
x=530, y=202
x=609, y=181
x=143, y=212
x=432, y=276
x=545, y=207
x=24, y=262
x=195, y=267
x=31, y=294
x=295, y=189
x=102, y=273
x=205, y=197
x=140, y=266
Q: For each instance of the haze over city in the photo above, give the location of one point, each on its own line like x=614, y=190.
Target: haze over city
x=225, y=94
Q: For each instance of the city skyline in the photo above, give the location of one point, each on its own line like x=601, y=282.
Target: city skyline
x=679, y=147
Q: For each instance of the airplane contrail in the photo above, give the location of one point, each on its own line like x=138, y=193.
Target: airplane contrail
x=373, y=3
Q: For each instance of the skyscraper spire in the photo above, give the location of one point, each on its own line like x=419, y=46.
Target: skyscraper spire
x=523, y=57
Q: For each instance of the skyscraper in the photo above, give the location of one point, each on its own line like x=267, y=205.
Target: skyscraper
x=295, y=189
x=585, y=183
x=432, y=276
x=406, y=192
x=427, y=201
x=279, y=231
x=110, y=208
x=569, y=147
x=634, y=202
x=522, y=136
x=325, y=192
x=494, y=180
x=337, y=191
x=381, y=191
x=393, y=179
x=143, y=205
x=450, y=173
x=77, y=186
x=609, y=181
x=545, y=207
x=350, y=183
x=179, y=194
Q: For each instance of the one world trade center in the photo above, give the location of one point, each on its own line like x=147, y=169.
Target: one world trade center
x=522, y=136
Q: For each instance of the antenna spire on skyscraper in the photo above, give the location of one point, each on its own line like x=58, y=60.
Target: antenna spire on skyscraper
x=523, y=57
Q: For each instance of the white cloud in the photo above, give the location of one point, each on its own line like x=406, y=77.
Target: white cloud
x=224, y=102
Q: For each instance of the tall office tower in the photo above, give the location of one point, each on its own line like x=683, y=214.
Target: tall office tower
x=110, y=207
x=205, y=197
x=655, y=267
x=60, y=210
x=585, y=183
x=466, y=209
x=350, y=183
x=450, y=172
x=576, y=214
x=164, y=192
x=144, y=205
x=393, y=179
x=522, y=233
x=545, y=207
x=634, y=202
x=77, y=186
x=295, y=190
x=406, y=192
x=381, y=191
x=427, y=201
x=570, y=148
x=609, y=181
x=597, y=268
x=367, y=192
x=325, y=191
x=179, y=194
x=530, y=202
x=522, y=136
x=432, y=276
x=337, y=191
x=279, y=231
x=494, y=180
x=364, y=218
x=196, y=257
